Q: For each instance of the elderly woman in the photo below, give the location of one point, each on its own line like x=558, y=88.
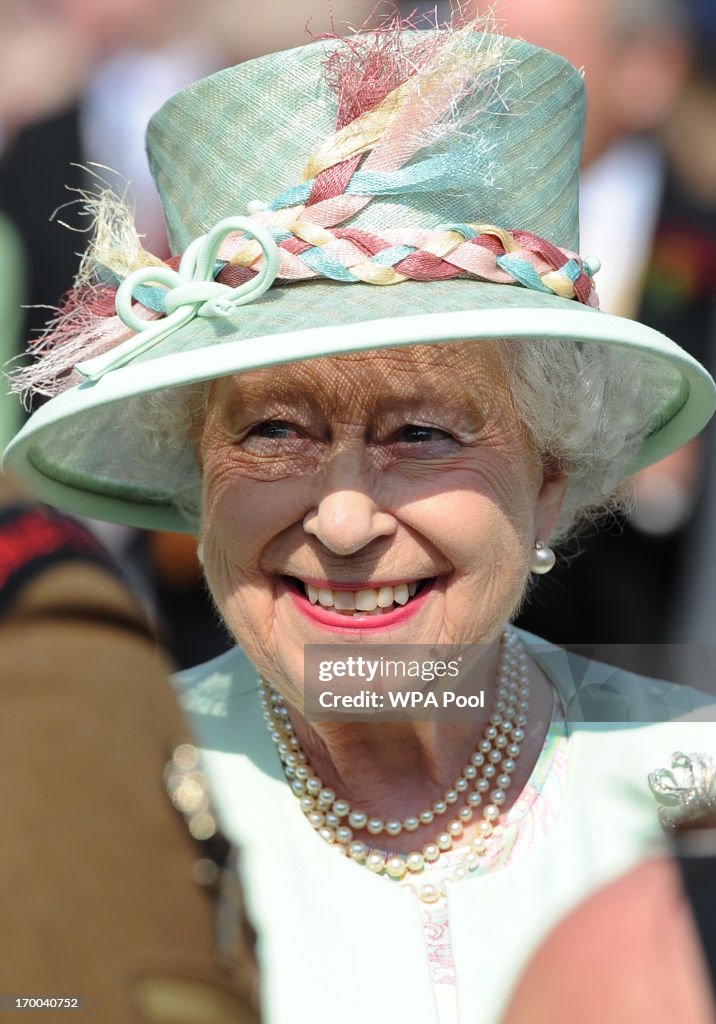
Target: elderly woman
x=378, y=397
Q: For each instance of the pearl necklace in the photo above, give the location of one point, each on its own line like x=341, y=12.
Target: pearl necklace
x=489, y=771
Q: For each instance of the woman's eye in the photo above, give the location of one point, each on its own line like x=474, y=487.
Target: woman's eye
x=414, y=434
x=275, y=429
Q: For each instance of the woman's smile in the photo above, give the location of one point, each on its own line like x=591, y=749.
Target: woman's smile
x=367, y=607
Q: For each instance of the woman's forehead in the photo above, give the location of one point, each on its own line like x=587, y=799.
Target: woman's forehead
x=462, y=371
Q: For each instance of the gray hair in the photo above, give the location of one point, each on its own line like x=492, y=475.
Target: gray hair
x=587, y=407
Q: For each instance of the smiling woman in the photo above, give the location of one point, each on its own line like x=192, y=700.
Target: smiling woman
x=378, y=405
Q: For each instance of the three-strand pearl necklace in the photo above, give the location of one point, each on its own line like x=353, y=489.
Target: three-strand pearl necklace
x=481, y=787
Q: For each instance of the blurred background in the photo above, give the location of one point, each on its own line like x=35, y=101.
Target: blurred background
x=79, y=80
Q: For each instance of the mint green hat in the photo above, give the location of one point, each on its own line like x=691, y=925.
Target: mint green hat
x=394, y=188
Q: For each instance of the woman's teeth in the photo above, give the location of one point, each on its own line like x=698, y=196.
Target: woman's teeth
x=375, y=601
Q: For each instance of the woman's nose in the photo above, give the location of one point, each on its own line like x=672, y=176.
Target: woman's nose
x=347, y=516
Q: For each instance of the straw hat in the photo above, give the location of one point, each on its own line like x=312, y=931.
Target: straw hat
x=394, y=188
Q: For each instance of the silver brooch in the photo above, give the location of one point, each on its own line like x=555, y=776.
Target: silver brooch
x=686, y=791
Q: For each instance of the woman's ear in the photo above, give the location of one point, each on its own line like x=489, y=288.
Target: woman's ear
x=550, y=498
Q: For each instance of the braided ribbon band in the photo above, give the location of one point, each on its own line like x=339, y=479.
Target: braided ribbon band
x=480, y=251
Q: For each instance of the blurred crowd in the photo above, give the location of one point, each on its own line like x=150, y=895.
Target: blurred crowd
x=78, y=82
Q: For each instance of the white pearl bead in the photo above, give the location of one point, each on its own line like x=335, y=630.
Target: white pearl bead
x=344, y=835
x=307, y=803
x=543, y=558
x=474, y=799
x=478, y=760
x=439, y=807
x=341, y=808
x=358, y=851
x=415, y=862
x=314, y=785
x=470, y=771
x=429, y=893
x=461, y=785
x=491, y=812
x=451, y=796
x=489, y=771
x=375, y=861
x=327, y=834
x=431, y=852
x=332, y=820
x=465, y=814
x=395, y=867
x=394, y=828
x=503, y=781
x=497, y=797
x=357, y=819
x=482, y=785
x=316, y=819
x=375, y=826
x=444, y=841
x=411, y=824
x=455, y=829
x=426, y=818
x=302, y=772
x=478, y=845
x=298, y=787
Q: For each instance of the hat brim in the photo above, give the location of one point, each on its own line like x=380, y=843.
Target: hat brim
x=71, y=451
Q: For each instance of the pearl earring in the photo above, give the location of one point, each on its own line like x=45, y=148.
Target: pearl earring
x=543, y=558
x=200, y=552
